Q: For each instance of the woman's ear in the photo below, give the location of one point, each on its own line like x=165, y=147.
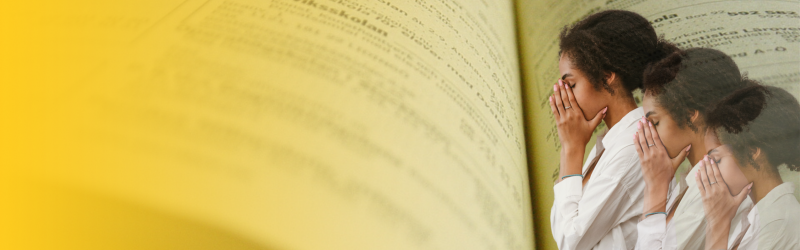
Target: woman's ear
x=760, y=159
x=613, y=82
x=696, y=121
x=756, y=153
x=610, y=78
x=695, y=118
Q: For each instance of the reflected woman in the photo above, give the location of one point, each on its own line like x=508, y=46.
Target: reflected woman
x=678, y=90
x=755, y=130
x=602, y=59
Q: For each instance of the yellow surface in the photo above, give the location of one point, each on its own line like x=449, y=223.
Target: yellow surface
x=256, y=124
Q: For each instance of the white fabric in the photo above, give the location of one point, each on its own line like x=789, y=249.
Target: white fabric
x=686, y=229
x=690, y=218
x=774, y=222
x=603, y=214
x=654, y=232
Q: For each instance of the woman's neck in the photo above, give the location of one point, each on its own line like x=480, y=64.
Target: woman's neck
x=763, y=184
x=617, y=109
x=698, y=150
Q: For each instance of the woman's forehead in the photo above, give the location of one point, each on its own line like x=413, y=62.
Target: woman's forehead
x=720, y=150
x=567, y=69
x=651, y=107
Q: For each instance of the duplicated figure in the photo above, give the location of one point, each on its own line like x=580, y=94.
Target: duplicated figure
x=756, y=130
x=678, y=91
x=602, y=60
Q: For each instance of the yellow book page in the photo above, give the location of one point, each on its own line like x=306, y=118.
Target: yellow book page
x=760, y=36
x=285, y=124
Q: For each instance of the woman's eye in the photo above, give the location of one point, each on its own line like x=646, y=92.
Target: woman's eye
x=572, y=86
x=656, y=123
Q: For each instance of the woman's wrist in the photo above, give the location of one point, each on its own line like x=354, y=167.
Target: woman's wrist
x=657, y=179
x=571, y=161
x=573, y=151
x=654, y=204
x=655, y=198
x=716, y=224
x=573, y=147
x=657, y=190
x=717, y=234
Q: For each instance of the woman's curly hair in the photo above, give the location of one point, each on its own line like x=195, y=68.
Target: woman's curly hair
x=616, y=41
x=692, y=80
x=759, y=117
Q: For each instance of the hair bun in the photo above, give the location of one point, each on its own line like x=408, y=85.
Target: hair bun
x=663, y=49
x=739, y=108
x=659, y=73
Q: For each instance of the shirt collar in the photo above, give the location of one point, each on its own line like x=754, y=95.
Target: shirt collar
x=787, y=188
x=751, y=218
x=776, y=193
x=690, y=178
x=620, y=130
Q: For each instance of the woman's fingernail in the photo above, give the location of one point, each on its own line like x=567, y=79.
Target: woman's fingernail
x=690, y=147
x=639, y=125
x=559, y=81
x=650, y=123
x=705, y=157
x=605, y=110
x=555, y=87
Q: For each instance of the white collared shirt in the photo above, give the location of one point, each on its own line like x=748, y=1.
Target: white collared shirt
x=653, y=231
x=686, y=229
x=603, y=214
x=774, y=223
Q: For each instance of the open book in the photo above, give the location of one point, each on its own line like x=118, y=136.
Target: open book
x=308, y=124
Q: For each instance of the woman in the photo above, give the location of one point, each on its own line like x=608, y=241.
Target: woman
x=756, y=140
x=602, y=58
x=678, y=90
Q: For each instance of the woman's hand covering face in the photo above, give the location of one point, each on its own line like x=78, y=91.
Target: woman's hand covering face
x=657, y=167
x=718, y=203
x=573, y=129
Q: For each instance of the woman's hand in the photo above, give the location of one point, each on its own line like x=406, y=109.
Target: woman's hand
x=657, y=168
x=718, y=203
x=574, y=131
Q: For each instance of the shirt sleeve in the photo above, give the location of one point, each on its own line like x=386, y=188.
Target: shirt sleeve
x=585, y=217
x=652, y=232
x=690, y=224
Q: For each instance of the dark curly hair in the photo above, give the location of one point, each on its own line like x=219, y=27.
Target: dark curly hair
x=616, y=41
x=762, y=117
x=692, y=80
